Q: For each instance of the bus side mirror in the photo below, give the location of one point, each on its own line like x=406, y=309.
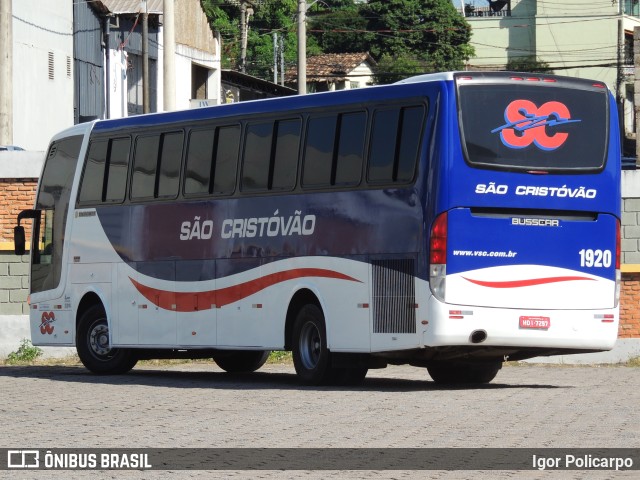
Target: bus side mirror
x=19, y=240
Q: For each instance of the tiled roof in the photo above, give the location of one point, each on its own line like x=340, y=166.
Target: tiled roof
x=330, y=66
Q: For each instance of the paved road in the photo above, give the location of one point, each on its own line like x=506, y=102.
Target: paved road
x=197, y=405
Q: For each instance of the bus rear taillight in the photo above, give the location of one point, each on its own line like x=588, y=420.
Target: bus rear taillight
x=438, y=256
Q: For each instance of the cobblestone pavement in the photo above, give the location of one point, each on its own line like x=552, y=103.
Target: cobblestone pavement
x=196, y=405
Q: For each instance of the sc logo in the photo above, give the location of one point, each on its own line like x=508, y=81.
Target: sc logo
x=528, y=124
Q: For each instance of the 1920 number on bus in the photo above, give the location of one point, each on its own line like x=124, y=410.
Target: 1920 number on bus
x=595, y=258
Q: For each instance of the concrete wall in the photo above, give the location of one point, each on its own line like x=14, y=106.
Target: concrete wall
x=42, y=71
x=498, y=39
x=631, y=220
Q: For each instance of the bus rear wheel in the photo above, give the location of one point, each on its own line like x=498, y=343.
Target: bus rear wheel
x=92, y=344
x=311, y=357
x=241, y=361
x=456, y=372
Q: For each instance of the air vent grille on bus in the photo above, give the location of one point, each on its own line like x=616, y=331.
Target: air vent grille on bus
x=394, y=299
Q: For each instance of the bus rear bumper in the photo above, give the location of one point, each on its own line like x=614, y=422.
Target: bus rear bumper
x=462, y=325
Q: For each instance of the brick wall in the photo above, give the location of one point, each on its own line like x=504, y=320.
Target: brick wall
x=15, y=195
x=629, y=306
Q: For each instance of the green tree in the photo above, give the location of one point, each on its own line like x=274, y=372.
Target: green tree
x=225, y=18
x=274, y=16
x=430, y=32
x=528, y=64
x=391, y=69
x=406, y=37
x=338, y=26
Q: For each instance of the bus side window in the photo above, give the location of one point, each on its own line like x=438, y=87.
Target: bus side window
x=271, y=155
x=318, y=155
x=117, y=167
x=395, y=143
x=199, y=162
x=285, y=158
x=168, y=177
x=257, y=156
x=348, y=168
x=409, y=148
x=212, y=161
x=93, y=178
x=156, y=166
x=382, y=151
x=226, y=160
x=144, y=167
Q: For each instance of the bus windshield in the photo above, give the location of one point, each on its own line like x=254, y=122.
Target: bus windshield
x=539, y=126
x=53, y=202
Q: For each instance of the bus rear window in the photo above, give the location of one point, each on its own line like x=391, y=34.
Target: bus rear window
x=533, y=126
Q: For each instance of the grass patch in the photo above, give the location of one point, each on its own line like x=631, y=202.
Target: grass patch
x=26, y=354
x=633, y=362
x=279, y=357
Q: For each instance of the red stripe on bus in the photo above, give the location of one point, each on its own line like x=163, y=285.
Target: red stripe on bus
x=525, y=283
x=194, y=301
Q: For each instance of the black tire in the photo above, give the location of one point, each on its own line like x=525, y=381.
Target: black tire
x=241, y=361
x=311, y=357
x=92, y=343
x=455, y=373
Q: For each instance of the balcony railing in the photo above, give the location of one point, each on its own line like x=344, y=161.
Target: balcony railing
x=496, y=8
x=486, y=12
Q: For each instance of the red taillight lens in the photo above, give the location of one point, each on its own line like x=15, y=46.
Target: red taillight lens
x=438, y=242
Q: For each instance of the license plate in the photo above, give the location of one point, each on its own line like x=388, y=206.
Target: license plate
x=535, y=322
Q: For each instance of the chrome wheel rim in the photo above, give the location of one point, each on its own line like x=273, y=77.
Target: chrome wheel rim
x=99, y=340
x=310, y=346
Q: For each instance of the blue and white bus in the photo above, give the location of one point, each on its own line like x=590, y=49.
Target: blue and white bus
x=450, y=221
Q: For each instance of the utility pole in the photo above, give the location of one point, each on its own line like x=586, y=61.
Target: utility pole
x=302, y=47
x=245, y=13
x=107, y=65
x=146, y=107
x=275, y=57
x=6, y=72
x=282, y=60
x=620, y=94
x=243, y=37
x=169, y=57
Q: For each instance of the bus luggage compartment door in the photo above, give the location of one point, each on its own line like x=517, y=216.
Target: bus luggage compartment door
x=529, y=260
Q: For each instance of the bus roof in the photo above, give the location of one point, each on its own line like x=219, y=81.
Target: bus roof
x=265, y=106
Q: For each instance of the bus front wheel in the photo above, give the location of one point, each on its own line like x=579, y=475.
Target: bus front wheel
x=241, y=361
x=311, y=357
x=92, y=344
x=452, y=372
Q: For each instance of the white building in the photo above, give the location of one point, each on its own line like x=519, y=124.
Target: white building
x=43, y=79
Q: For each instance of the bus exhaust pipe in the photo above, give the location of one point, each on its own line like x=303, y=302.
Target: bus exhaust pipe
x=478, y=336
